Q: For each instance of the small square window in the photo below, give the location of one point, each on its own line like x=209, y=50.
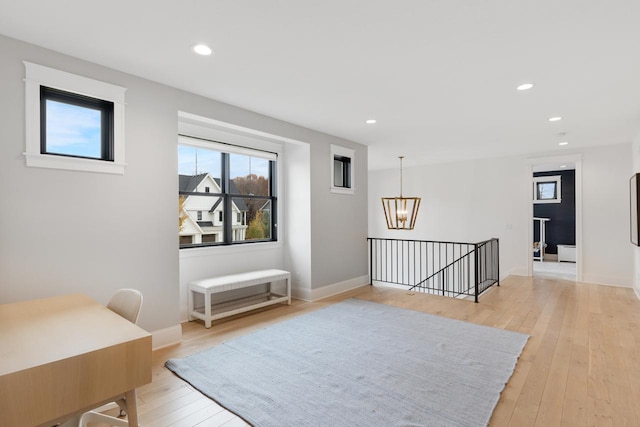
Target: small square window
x=547, y=189
x=73, y=122
x=75, y=125
x=341, y=172
x=207, y=189
x=199, y=215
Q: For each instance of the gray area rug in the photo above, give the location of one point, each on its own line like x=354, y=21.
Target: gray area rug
x=358, y=363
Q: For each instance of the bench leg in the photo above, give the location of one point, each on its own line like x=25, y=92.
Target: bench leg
x=288, y=279
x=190, y=305
x=207, y=310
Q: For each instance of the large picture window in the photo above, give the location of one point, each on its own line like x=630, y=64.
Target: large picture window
x=227, y=194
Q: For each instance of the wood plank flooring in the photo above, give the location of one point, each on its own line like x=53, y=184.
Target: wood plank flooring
x=581, y=366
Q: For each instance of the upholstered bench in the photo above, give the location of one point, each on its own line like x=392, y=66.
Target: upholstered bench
x=213, y=310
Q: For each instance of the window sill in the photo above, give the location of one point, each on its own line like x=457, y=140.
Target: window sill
x=228, y=249
x=74, y=164
x=340, y=190
x=542, y=202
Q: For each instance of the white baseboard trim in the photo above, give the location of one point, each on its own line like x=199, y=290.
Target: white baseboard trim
x=517, y=271
x=166, y=337
x=391, y=285
x=329, y=290
x=301, y=294
x=637, y=291
x=606, y=281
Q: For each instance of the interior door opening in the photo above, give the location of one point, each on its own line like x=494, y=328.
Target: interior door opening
x=555, y=212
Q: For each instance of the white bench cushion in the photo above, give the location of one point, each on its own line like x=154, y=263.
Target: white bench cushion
x=238, y=281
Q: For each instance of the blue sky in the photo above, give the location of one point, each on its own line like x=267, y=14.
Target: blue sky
x=547, y=190
x=209, y=161
x=73, y=130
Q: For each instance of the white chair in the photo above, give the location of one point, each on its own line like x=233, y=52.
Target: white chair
x=97, y=417
x=126, y=303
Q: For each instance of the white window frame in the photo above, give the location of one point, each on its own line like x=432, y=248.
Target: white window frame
x=556, y=179
x=39, y=75
x=337, y=150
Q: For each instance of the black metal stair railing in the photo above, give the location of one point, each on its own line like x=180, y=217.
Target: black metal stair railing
x=452, y=269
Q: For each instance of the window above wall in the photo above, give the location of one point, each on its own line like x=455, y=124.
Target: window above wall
x=73, y=122
x=547, y=189
x=342, y=170
x=75, y=125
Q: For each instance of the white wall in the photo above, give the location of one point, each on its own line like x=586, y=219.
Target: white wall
x=464, y=202
x=475, y=200
x=636, y=250
x=338, y=257
x=63, y=232
x=298, y=218
x=607, y=254
x=78, y=232
x=344, y=215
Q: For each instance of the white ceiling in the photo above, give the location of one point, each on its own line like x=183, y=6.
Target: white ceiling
x=439, y=76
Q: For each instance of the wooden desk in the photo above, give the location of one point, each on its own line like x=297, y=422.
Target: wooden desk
x=64, y=355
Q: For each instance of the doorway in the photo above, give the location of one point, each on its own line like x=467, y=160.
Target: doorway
x=555, y=235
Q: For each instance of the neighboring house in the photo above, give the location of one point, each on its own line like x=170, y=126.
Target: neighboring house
x=204, y=214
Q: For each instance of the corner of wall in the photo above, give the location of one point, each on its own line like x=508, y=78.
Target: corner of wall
x=636, y=272
x=516, y=271
x=165, y=337
x=635, y=157
x=334, y=289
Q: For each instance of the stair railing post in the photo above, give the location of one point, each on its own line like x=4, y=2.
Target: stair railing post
x=497, y=260
x=477, y=269
x=370, y=261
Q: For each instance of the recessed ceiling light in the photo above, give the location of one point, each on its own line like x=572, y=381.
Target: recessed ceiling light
x=202, y=49
x=525, y=86
x=563, y=143
x=370, y=121
x=563, y=166
x=555, y=119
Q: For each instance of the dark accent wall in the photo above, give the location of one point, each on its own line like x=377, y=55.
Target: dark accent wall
x=562, y=227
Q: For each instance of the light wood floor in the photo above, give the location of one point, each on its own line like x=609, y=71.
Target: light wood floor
x=581, y=366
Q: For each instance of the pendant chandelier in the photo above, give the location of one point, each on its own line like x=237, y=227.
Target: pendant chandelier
x=401, y=212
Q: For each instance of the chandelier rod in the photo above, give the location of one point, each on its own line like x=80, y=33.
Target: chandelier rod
x=401, y=157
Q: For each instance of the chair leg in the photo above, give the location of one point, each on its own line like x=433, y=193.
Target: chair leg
x=123, y=407
x=120, y=404
x=97, y=417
